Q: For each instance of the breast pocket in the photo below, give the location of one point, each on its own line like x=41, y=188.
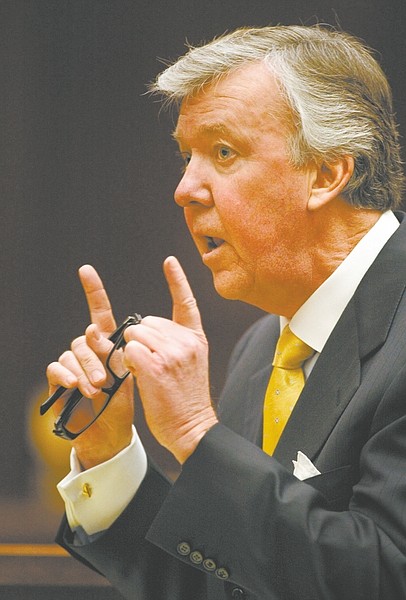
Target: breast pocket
x=336, y=486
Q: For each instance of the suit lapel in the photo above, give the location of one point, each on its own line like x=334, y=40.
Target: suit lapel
x=361, y=330
x=251, y=409
x=332, y=383
x=252, y=430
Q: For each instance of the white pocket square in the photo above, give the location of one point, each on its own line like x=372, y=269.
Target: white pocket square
x=303, y=468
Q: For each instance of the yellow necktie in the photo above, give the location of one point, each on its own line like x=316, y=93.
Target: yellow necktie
x=284, y=387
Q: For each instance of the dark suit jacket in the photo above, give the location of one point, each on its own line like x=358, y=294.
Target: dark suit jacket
x=238, y=524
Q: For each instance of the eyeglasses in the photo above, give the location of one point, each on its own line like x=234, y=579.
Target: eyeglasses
x=79, y=412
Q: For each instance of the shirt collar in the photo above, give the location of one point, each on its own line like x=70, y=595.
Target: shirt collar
x=317, y=317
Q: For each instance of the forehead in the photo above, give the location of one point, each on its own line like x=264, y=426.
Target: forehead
x=248, y=97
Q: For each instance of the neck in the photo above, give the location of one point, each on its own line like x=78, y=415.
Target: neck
x=332, y=233
x=335, y=233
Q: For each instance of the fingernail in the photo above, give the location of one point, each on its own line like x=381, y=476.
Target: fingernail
x=97, y=376
x=91, y=390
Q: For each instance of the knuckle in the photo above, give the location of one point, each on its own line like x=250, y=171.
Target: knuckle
x=192, y=348
x=131, y=332
x=86, y=387
x=89, y=362
x=89, y=330
x=189, y=302
x=162, y=365
x=64, y=357
x=51, y=368
x=174, y=360
x=194, y=345
x=78, y=343
x=86, y=357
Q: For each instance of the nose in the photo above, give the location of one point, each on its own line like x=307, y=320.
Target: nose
x=194, y=187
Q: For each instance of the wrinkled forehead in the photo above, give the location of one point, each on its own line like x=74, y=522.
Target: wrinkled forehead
x=250, y=93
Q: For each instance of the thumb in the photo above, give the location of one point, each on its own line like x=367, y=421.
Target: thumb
x=185, y=310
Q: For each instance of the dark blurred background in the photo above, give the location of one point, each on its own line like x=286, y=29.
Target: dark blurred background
x=87, y=174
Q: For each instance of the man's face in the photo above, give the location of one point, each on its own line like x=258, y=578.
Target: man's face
x=244, y=203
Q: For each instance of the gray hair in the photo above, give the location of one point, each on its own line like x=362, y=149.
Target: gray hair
x=337, y=93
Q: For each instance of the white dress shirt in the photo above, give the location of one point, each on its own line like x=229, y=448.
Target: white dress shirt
x=96, y=497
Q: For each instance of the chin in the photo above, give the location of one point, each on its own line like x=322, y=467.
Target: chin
x=229, y=287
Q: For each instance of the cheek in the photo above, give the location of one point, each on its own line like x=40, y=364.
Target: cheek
x=268, y=222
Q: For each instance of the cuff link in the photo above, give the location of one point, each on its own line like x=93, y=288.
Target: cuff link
x=87, y=490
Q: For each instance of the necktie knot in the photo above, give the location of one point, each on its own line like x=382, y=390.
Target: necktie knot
x=291, y=352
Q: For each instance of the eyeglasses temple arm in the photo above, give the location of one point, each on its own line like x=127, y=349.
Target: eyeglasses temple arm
x=46, y=405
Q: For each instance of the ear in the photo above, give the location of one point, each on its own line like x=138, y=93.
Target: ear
x=329, y=180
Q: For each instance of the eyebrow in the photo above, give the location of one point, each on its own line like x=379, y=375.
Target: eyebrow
x=207, y=129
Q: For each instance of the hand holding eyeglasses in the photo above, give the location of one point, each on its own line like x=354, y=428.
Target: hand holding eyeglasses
x=169, y=359
x=84, y=371
x=79, y=412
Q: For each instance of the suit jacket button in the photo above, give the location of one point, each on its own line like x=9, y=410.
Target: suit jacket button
x=222, y=573
x=209, y=564
x=183, y=549
x=196, y=557
x=237, y=594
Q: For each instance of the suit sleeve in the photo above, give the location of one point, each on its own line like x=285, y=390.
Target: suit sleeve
x=328, y=539
x=135, y=567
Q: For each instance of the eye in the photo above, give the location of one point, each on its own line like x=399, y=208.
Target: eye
x=225, y=153
x=185, y=158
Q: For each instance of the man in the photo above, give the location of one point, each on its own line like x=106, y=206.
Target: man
x=292, y=170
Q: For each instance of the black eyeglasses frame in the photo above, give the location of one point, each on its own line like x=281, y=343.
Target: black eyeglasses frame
x=60, y=425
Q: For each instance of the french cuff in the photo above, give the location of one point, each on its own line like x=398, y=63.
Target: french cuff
x=95, y=498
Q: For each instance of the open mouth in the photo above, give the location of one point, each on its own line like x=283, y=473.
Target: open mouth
x=214, y=242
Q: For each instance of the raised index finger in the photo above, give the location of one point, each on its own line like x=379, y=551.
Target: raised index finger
x=97, y=299
x=185, y=310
